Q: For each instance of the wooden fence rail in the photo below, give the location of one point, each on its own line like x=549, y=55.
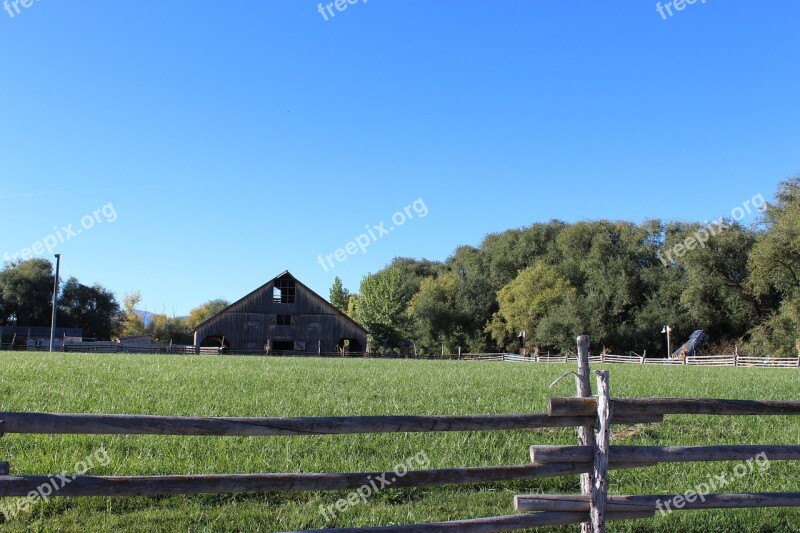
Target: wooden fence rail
x=104, y=424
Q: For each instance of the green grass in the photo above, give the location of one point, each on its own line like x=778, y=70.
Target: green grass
x=240, y=386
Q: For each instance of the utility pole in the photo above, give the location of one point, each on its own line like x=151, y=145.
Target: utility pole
x=55, y=302
x=668, y=330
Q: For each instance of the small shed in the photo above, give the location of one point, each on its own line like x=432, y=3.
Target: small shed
x=281, y=316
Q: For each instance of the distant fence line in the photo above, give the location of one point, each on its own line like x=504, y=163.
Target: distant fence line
x=734, y=360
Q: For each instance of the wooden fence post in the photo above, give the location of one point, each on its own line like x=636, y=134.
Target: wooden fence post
x=597, y=510
x=735, y=355
x=585, y=433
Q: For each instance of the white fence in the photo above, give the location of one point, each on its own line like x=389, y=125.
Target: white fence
x=699, y=360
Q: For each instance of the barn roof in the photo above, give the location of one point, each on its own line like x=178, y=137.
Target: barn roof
x=264, y=287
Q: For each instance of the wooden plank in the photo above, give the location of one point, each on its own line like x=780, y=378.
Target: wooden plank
x=249, y=483
x=650, y=455
x=581, y=503
x=665, y=406
x=489, y=525
x=597, y=509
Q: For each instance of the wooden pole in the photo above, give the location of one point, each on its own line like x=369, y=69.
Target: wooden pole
x=597, y=509
x=585, y=433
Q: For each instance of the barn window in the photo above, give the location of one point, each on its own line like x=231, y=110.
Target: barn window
x=283, y=291
x=284, y=320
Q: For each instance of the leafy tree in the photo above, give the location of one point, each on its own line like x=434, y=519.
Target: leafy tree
x=527, y=301
x=381, y=307
x=204, y=312
x=435, y=316
x=26, y=290
x=412, y=272
x=717, y=294
x=132, y=322
x=774, y=264
x=93, y=309
x=352, y=304
x=165, y=329
x=339, y=296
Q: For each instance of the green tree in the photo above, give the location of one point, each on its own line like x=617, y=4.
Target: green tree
x=93, y=309
x=352, y=305
x=381, y=308
x=434, y=314
x=26, y=290
x=132, y=322
x=205, y=311
x=774, y=264
x=339, y=296
x=525, y=304
x=165, y=329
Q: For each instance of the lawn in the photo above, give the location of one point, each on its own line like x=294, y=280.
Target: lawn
x=260, y=386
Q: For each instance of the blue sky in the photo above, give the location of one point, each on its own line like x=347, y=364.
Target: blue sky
x=236, y=140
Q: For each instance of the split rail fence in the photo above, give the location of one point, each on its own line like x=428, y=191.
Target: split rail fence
x=591, y=458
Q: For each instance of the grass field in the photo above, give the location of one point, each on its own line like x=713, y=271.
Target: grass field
x=240, y=386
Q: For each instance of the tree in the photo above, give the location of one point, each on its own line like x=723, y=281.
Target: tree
x=381, y=308
x=717, y=294
x=165, y=329
x=26, y=290
x=774, y=264
x=775, y=258
x=132, y=322
x=352, y=304
x=205, y=311
x=339, y=296
x=93, y=309
x=527, y=301
x=434, y=314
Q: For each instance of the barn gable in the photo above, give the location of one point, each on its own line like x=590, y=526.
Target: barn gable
x=281, y=316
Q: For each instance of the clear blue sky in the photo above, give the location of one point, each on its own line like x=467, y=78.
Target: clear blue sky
x=236, y=140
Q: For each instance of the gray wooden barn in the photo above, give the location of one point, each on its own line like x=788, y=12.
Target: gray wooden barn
x=281, y=316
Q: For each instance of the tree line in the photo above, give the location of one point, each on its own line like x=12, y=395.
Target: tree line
x=26, y=292
x=618, y=281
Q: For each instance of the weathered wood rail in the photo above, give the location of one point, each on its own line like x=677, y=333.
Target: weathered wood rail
x=592, y=458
